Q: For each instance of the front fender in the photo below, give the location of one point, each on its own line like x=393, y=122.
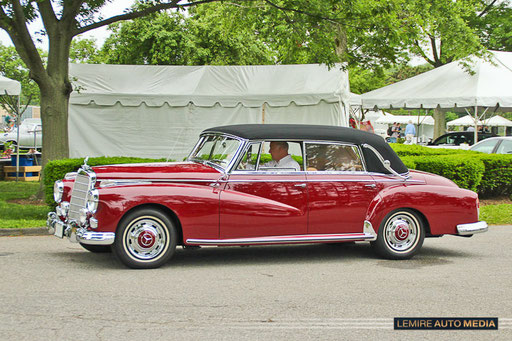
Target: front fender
x=196, y=206
x=443, y=207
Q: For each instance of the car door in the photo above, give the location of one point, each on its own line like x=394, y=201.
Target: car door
x=339, y=188
x=259, y=202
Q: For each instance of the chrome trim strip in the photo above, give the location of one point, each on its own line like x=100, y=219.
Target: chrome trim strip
x=299, y=180
x=291, y=239
x=472, y=228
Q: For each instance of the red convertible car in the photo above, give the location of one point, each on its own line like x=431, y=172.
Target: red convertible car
x=262, y=184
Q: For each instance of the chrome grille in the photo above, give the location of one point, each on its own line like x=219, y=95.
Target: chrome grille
x=83, y=184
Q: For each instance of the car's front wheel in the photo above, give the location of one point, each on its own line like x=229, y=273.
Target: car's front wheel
x=145, y=239
x=400, y=235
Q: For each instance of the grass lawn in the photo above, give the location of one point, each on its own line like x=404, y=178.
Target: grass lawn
x=24, y=214
x=497, y=214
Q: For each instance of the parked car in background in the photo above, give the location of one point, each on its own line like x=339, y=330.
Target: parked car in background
x=456, y=139
x=496, y=145
x=334, y=185
x=31, y=134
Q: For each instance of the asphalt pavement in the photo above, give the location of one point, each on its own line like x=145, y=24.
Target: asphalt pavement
x=52, y=289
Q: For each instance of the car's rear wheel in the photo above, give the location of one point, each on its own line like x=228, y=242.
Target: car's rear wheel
x=145, y=239
x=97, y=248
x=400, y=235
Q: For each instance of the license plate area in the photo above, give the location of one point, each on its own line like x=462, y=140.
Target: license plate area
x=59, y=229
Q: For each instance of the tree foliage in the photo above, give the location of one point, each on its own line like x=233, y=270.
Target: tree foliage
x=11, y=66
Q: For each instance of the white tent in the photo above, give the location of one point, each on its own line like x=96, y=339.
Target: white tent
x=404, y=119
x=451, y=86
x=498, y=121
x=467, y=120
x=424, y=124
x=159, y=111
x=9, y=87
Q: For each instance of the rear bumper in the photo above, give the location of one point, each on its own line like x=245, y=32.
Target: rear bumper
x=472, y=228
x=76, y=233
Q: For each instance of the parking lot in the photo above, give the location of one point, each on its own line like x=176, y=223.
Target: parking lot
x=52, y=289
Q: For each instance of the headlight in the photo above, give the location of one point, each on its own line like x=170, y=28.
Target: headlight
x=82, y=217
x=58, y=189
x=92, y=200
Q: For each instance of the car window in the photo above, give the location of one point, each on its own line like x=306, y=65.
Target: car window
x=248, y=162
x=485, y=146
x=294, y=150
x=216, y=149
x=505, y=147
x=332, y=157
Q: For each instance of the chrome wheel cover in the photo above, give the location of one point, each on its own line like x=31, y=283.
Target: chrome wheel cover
x=146, y=239
x=402, y=232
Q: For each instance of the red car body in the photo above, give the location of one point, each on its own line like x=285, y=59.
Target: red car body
x=211, y=205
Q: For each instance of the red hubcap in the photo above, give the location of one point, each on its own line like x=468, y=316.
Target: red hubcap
x=402, y=232
x=146, y=239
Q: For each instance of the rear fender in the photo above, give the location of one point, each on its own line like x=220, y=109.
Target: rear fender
x=443, y=207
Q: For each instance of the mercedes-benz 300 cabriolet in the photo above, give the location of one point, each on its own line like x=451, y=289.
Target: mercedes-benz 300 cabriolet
x=262, y=185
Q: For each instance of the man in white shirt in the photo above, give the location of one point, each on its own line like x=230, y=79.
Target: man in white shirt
x=280, y=157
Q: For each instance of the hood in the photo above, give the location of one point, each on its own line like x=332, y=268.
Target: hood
x=158, y=171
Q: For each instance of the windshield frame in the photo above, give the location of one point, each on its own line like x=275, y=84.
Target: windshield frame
x=233, y=160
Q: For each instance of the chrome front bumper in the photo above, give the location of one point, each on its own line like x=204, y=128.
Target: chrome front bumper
x=77, y=234
x=472, y=228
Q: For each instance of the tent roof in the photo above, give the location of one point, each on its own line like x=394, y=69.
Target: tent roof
x=9, y=86
x=355, y=99
x=277, y=85
x=451, y=86
x=467, y=120
x=404, y=119
x=498, y=121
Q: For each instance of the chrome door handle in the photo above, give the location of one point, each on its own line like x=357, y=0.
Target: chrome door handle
x=370, y=185
x=300, y=185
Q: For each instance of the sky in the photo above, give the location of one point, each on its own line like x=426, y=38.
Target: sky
x=100, y=34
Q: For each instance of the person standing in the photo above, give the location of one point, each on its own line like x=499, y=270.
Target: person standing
x=410, y=132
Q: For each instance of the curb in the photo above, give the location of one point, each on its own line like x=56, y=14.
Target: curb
x=38, y=231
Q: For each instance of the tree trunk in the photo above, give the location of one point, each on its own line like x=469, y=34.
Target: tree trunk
x=54, y=115
x=440, y=122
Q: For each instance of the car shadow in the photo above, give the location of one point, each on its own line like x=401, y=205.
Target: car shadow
x=275, y=254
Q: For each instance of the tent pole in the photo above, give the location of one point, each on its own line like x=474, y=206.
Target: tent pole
x=18, y=137
x=476, y=125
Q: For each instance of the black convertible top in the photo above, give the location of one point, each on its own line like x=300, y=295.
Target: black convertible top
x=319, y=133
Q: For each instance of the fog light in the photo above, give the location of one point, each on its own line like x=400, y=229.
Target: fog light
x=93, y=222
x=64, y=209
x=82, y=217
x=58, y=189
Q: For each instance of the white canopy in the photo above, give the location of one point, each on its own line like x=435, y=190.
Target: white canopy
x=467, y=120
x=390, y=119
x=355, y=99
x=9, y=86
x=159, y=111
x=451, y=86
x=497, y=121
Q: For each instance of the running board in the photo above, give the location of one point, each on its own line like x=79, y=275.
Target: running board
x=295, y=239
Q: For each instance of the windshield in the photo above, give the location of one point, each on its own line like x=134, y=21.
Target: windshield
x=216, y=149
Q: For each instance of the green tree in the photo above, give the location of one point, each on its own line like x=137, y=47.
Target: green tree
x=85, y=51
x=175, y=39
x=11, y=66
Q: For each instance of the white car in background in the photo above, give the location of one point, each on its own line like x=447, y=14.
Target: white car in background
x=31, y=134
x=495, y=145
